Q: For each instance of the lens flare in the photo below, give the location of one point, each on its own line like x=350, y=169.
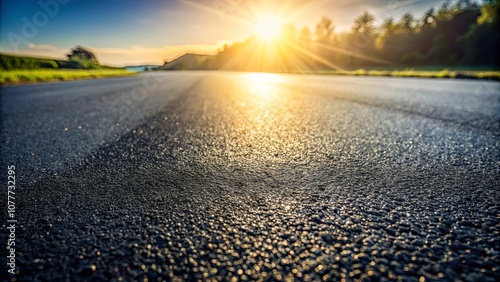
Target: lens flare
x=268, y=28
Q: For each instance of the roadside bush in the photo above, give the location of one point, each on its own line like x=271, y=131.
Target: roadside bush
x=414, y=58
x=25, y=63
x=48, y=65
x=81, y=64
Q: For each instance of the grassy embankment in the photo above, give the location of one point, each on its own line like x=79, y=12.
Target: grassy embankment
x=40, y=75
x=15, y=70
x=423, y=72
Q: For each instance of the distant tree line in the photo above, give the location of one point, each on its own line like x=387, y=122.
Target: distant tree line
x=466, y=33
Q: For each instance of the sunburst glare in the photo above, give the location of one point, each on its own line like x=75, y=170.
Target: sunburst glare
x=268, y=27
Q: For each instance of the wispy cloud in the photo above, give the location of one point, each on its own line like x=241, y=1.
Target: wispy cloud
x=120, y=56
x=151, y=55
x=39, y=50
x=400, y=4
x=43, y=47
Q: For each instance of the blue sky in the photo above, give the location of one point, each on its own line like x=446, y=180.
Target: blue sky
x=125, y=32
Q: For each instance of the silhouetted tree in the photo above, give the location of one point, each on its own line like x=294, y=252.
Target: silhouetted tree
x=81, y=53
x=387, y=30
x=407, y=23
x=305, y=35
x=444, y=11
x=388, y=27
x=364, y=24
x=362, y=40
x=289, y=32
x=324, y=30
x=429, y=18
x=482, y=40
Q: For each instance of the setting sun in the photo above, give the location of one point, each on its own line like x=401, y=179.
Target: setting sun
x=268, y=28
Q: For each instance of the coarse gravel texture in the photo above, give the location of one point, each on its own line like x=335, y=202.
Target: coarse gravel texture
x=274, y=180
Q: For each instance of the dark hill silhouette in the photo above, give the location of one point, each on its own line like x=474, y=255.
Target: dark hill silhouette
x=189, y=61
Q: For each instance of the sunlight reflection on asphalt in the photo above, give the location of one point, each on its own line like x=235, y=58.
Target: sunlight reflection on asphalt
x=258, y=176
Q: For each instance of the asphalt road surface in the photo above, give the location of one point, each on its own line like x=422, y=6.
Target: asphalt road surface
x=236, y=176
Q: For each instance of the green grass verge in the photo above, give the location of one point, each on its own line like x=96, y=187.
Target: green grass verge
x=39, y=75
x=444, y=73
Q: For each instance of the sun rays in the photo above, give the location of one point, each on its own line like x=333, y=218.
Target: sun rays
x=268, y=28
x=273, y=48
